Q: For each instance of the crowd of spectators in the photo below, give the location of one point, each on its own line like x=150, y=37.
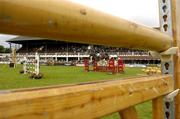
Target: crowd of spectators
x=74, y=48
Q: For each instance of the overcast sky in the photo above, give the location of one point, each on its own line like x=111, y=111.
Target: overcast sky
x=139, y=11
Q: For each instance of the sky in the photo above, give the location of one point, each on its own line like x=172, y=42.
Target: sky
x=139, y=11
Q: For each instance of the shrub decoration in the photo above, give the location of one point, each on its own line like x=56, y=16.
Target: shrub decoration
x=152, y=70
x=36, y=76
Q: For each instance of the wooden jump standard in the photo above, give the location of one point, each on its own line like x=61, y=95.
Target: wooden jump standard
x=63, y=20
x=176, y=43
x=86, y=101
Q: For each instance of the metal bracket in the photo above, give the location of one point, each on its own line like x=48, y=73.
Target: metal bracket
x=166, y=55
x=169, y=104
x=170, y=96
x=170, y=51
x=167, y=63
x=168, y=68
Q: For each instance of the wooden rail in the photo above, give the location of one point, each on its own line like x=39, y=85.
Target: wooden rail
x=64, y=20
x=86, y=101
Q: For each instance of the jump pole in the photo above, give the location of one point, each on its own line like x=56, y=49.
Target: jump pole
x=14, y=57
x=67, y=21
x=25, y=65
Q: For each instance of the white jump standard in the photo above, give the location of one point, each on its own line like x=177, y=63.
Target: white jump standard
x=32, y=67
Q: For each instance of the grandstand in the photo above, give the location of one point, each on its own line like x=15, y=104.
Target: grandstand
x=67, y=52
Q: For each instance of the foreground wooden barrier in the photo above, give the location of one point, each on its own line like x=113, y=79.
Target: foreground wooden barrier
x=176, y=43
x=86, y=101
x=63, y=20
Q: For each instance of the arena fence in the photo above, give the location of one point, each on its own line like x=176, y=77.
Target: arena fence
x=72, y=22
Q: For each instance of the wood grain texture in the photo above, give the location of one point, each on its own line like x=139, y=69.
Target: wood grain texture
x=67, y=21
x=129, y=113
x=176, y=43
x=86, y=101
x=158, y=108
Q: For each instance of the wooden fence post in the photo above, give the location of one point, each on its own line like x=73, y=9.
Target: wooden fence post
x=158, y=109
x=129, y=113
x=176, y=35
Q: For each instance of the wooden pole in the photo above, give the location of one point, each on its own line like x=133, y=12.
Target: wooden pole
x=129, y=113
x=158, y=108
x=86, y=101
x=67, y=21
x=176, y=43
x=14, y=57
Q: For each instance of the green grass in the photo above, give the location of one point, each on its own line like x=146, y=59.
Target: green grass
x=56, y=75
x=53, y=75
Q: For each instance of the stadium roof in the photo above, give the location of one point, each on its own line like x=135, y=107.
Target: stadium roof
x=21, y=39
x=25, y=38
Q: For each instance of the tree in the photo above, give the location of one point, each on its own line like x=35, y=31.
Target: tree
x=2, y=49
x=7, y=50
